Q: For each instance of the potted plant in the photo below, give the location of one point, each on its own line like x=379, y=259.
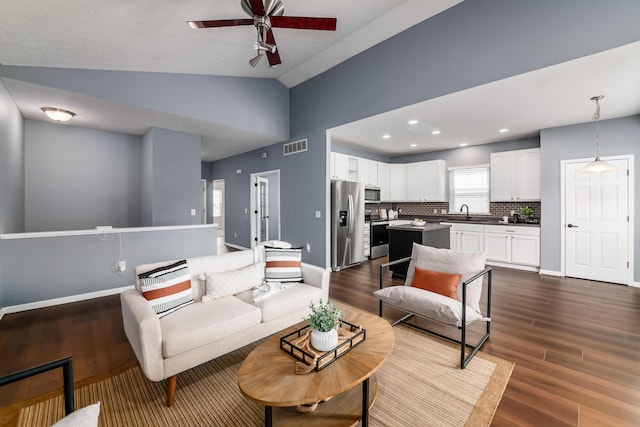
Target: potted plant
x=528, y=212
x=324, y=320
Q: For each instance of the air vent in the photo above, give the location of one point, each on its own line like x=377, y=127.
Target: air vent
x=295, y=147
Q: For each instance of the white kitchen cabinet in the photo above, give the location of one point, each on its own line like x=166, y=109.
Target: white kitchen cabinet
x=373, y=173
x=415, y=181
x=514, y=245
x=353, y=171
x=426, y=181
x=397, y=182
x=515, y=175
x=383, y=182
x=363, y=171
x=466, y=237
x=339, y=166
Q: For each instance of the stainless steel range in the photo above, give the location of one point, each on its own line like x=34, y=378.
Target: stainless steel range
x=379, y=238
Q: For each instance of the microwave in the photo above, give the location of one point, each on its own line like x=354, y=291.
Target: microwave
x=371, y=194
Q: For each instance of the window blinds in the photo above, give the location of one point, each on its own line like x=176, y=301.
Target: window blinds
x=469, y=186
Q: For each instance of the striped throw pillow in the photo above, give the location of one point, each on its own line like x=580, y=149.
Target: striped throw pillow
x=167, y=288
x=283, y=264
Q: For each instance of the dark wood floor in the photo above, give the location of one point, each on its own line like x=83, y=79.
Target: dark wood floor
x=576, y=345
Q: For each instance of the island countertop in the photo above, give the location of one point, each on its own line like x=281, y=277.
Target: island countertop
x=409, y=227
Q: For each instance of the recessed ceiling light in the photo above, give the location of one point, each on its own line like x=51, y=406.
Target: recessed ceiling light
x=464, y=144
x=504, y=130
x=413, y=122
x=414, y=145
x=386, y=136
x=435, y=132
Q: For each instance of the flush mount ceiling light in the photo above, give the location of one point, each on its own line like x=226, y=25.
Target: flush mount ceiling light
x=463, y=144
x=413, y=122
x=386, y=136
x=58, y=114
x=435, y=132
x=598, y=165
x=504, y=130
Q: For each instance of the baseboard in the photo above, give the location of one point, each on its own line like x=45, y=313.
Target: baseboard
x=634, y=284
x=512, y=266
x=551, y=273
x=64, y=300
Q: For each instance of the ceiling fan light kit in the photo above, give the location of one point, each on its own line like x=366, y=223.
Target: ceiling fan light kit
x=597, y=165
x=266, y=16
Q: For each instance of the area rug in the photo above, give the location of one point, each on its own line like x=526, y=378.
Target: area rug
x=420, y=384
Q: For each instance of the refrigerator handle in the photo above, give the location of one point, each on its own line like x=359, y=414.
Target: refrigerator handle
x=350, y=215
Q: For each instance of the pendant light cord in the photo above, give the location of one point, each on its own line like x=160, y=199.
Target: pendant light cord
x=596, y=117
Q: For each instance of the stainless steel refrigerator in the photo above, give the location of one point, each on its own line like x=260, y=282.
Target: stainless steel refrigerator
x=347, y=224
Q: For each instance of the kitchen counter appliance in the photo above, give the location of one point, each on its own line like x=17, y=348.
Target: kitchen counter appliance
x=379, y=239
x=347, y=224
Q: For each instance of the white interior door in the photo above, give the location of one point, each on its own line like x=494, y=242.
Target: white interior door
x=597, y=223
x=262, y=211
x=218, y=205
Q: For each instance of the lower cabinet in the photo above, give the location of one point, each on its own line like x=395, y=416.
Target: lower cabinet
x=466, y=237
x=512, y=245
x=509, y=246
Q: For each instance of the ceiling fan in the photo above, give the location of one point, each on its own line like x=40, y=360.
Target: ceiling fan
x=266, y=16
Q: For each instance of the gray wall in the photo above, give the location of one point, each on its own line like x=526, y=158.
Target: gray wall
x=230, y=101
x=171, y=181
x=617, y=137
x=303, y=183
x=472, y=43
x=78, y=178
x=40, y=269
x=11, y=165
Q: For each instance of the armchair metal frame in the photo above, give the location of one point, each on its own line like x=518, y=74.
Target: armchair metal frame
x=67, y=373
x=464, y=360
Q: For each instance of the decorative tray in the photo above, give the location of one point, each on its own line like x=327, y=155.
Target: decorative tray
x=350, y=336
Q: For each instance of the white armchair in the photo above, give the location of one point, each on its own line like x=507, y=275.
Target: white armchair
x=439, y=283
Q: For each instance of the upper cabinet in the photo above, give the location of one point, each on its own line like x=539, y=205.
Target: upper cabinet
x=383, y=181
x=426, y=181
x=515, y=175
x=398, y=182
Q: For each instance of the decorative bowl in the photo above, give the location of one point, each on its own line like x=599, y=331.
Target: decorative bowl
x=418, y=222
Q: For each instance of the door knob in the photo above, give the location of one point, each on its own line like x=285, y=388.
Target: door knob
x=572, y=226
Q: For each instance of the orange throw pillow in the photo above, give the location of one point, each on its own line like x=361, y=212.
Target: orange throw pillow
x=442, y=283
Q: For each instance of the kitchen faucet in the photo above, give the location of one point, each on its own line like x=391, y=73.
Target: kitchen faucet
x=465, y=205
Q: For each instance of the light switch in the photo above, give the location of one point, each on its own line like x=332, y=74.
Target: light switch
x=193, y=212
x=318, y=214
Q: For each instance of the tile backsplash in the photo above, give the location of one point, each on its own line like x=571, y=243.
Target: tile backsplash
x=498, y=209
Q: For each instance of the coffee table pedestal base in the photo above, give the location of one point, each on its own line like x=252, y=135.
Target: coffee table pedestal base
x=345, y=409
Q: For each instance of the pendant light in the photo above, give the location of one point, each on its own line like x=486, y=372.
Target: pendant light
x=597, y=165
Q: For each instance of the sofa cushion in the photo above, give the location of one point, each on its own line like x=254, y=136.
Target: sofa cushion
x=203, y=323
x=283, y=265
x=232, y=282
x=285, y=301
x=167, y=288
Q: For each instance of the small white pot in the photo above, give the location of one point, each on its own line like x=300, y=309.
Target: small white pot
x=324, y=341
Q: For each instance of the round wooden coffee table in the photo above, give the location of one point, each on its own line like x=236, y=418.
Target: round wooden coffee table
x=267, y=376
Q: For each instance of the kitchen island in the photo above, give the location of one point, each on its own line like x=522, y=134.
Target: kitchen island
x=403, y=234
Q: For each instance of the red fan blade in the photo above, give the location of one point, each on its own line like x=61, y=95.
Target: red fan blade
x=219, y=23
x=304, y=23
x=257, y=7
x=274, y=58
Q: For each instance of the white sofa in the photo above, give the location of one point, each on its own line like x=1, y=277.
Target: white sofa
x=203, y=331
